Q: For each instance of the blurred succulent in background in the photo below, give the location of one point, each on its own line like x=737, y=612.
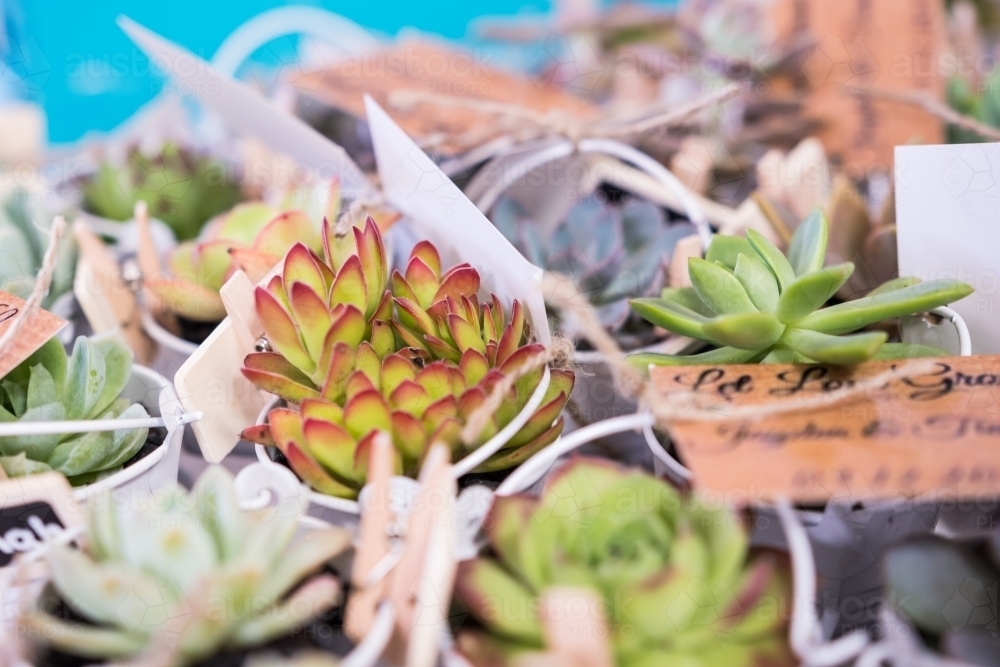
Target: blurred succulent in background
x=675, y=576
x=48, y=386
x=182, y=189
x=352, y=357
x=948, y=590
x=756, y=305
x=186, y=576
x=24, y=238
x=612, y=253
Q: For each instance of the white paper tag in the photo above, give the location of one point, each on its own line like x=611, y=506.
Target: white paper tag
x=417, y=187
x=948, y=226
x=246, y=112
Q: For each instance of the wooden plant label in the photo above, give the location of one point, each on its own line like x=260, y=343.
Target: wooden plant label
x=932, y=435
x=872, y=45
x=32, y=335
x=33, y=510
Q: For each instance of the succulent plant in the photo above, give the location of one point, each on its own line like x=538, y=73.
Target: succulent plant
x=674, y=573
x=253, y=236
x=186, y=576
x=613, y=253
x=23, y=241
x=756, y=305
x=351, y=357
x=48, y=386
x=182, y=189
x=948, y=590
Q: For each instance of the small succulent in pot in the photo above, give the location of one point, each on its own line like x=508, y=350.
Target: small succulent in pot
x=23, y=242
x=948, y=590
x=612, y=252
x=757, y=305
x=678, y=583
x=351, y=357
x=186, y=577
x=87, y=385
x=181, y=188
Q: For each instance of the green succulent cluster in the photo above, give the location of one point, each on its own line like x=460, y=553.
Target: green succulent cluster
x=23, y=242
x=757, y=305
x=51, y=386
x=674, y=574
x=180, y=188
x=948, y=590
x=187, y=576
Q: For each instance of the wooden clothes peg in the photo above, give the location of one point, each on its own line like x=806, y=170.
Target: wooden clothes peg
x=104, y=297
x=419, y=584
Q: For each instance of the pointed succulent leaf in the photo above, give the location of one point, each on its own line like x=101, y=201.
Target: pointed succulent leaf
x=474, y=366
x=807, y=249
x=722, y=355
x=306, y=555
x=853, y=315
x=688, y=298
x=894, y=284
x=670, y=316
x=366, y=412
x=428, y=254
x=117, y=367
x=512, y=336
x=338, y=362
x=421, y=281
x=395, y=369
x=418, y=318
x=260, y=434
x=281, y=331
x=758, y=281
x=284, y=231
x=331, y=446
x=719, y=288
x=219, y=511
x=852, y=349
x=187, y=299
x=776, y=261
x=745, y=331
x=515, y=456
x=83, y=640
x=460, y=280
x=727, y=249
x=540, y=421
x=892, y=351
x=465, y=335
x=349, y=287
x=373, y=262
x=410, y=397
x=311, y=316
x=487, y=590
x=85, y=378
x=809, y=292
x=408, y=435
x=313, y=474
x=348, y=328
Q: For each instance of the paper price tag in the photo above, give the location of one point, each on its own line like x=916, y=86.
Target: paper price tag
x=34, y=510
x=42, y=326
x=932, y=435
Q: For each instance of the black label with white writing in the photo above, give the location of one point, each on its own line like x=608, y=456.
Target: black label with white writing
x=26, y=527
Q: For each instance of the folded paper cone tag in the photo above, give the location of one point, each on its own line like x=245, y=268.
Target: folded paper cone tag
x=932, y=435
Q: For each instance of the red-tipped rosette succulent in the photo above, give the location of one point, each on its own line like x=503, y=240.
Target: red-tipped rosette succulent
x=348, y=364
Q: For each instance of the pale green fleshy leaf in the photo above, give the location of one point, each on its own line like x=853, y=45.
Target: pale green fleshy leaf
x=37, y=447
x=85, y=379
x=745, y=331
x=719, y=288
x=82, y=640
x=41, y=388
x=894, y=284
x=758, y=281
x=722, y=355
x=808, y=293
x=807, y=249
x=117, y=367
x=21, y=466
x=773, y=257
x=17, y=396
x=727, y=249
x=852, y=349
x=891, y=351
x=670, y=316
x=219, y=510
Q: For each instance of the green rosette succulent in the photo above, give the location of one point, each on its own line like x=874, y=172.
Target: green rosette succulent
x=757, y=305
x=186, y=576
x=678, y=584
x=23, y=242
x=948, y=590
x=87, y=385
x=182, y=189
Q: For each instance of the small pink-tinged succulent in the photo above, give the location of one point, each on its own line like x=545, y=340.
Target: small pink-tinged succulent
x=348, y=363
x=251, y=236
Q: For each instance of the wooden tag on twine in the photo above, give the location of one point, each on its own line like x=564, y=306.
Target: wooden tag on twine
x=42, y=326
x=870, y=45
x=933, y=435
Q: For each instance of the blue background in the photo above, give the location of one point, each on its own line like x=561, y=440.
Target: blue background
x=71, y=56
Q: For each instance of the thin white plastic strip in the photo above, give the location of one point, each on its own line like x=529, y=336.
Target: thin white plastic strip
x=964, y=339
x=369, y=649
x=805, y=634
x=494, y=444
x=532, y=470
x=164, y=337
x=56, y=427
x=517, y=170
x=678, y=473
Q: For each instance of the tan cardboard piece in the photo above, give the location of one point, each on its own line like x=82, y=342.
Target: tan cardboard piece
x=934, y=435
x=32, y=335
x=424, y=67
x=876, y=45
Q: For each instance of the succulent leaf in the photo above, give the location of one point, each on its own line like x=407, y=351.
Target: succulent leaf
x=810, y=291
x=719, y=288
x=807, y=249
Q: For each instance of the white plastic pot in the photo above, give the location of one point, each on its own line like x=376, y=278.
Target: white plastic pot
x=158, y=469
x=344, y=513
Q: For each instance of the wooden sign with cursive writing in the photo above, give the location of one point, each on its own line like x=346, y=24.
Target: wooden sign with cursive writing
x=41, y=326
x=931, y=435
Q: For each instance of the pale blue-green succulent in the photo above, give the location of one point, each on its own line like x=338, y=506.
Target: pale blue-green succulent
x=757, y=305
x=52, y=386
x=23, y=242
x=186, y=576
